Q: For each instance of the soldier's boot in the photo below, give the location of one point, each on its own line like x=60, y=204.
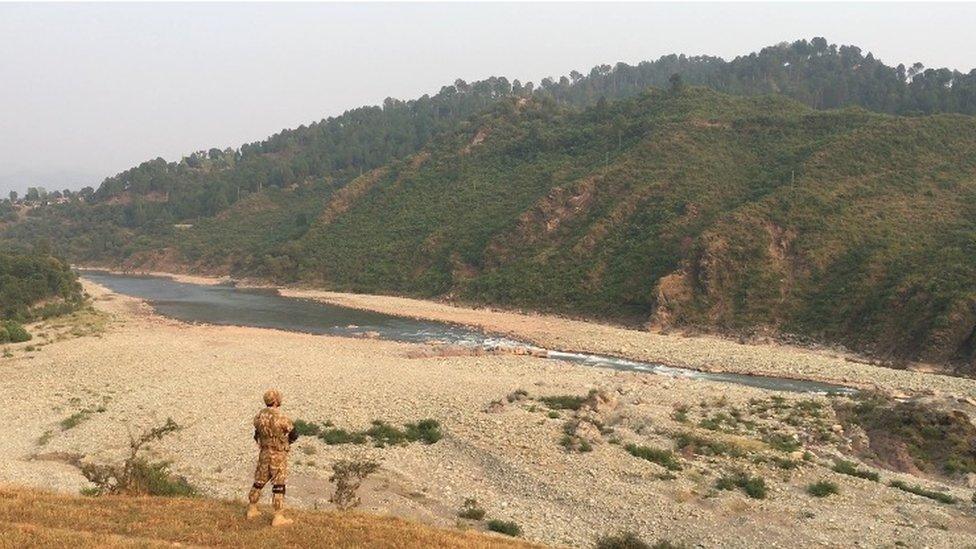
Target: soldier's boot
x=278, y=500
x=252, y=501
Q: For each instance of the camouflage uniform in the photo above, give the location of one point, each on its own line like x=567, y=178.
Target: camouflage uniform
x=274, y=432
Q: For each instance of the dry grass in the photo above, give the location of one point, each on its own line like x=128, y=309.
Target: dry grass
x=38, y=519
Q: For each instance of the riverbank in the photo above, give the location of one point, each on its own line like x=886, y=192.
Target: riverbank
x=699, y=352
x=523, y=458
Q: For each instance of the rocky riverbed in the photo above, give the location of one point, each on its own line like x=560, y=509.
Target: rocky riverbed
x=568, y=452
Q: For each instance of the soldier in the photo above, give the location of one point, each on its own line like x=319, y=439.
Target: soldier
x=274, y=432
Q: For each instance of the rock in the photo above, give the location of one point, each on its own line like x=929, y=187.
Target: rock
x=584, y=430
x=601, y=404
x=971, y=480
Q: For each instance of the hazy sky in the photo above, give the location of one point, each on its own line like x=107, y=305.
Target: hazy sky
x=89, y=90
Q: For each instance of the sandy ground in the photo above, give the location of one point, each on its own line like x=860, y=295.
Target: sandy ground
x=145, y=368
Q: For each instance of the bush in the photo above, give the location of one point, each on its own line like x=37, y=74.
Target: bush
x=471, y=510
x=341, y=436
x=507, y=527
x=754, y=487
x=850, y=468
x=136, y=475
x=781, y=442
x=348, y=476
x=563, y=402
x=306, y=429
x=15, y=333
x=627, y=540
x=707, y=447
x=427, y=431
x=941, y=497
x=822, y=489
x=664, y=458
x=384, y=434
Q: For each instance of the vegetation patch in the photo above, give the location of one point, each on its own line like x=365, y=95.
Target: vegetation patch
x=630, y=540
x=563, y=402
x=471, y=510
x=507, y=527
x=851, y=469
x=136, y=475
x=823, y=489
x=13, y=332
x=382, y=434
x=699, y=445
x=941, y=497
x=664, y=458
x=754, y=487
x=936, y=441
x=348, y=475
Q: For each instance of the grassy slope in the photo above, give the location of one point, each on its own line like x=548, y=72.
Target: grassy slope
x=38, y=519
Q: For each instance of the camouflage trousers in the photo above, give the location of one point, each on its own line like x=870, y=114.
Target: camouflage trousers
x=272, y=466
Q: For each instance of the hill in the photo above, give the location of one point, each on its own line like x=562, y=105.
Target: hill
x=690, y=209
x=38, y=519
x=743, y=213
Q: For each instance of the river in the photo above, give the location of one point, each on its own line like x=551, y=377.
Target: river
x=226, y=304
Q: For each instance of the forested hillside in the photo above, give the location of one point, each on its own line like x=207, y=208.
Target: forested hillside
x=33, y=285
x=679, y=206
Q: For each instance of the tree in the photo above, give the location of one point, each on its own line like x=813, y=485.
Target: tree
x=677, y=84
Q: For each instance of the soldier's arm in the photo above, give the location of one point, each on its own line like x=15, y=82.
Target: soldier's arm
x=290, y=427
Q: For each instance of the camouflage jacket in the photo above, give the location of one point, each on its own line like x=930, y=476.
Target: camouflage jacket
x=273, y=431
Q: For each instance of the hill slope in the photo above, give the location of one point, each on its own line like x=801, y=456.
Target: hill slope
x=681, y=208
x=38, y=519
x=690, y=209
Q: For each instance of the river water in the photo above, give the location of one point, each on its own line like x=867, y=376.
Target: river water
x=228, y=305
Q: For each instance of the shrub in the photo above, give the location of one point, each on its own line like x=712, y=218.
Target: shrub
x=306, y=429
x=384, y=434
x=507, y=527
x=664, y=458
x=850, y=468
x=427, y=431
x=16, y=333
x=707, y=447
x=754, y=487
x=574, y=443
x=823, y=488
x=941, y=497
x=781, y=442
x=74, y=420
x=341, y=436
x=630, y=540
x=348, y=476
x=136, y=475
x=563, y=402
x=627, y=540
x=471, y=510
